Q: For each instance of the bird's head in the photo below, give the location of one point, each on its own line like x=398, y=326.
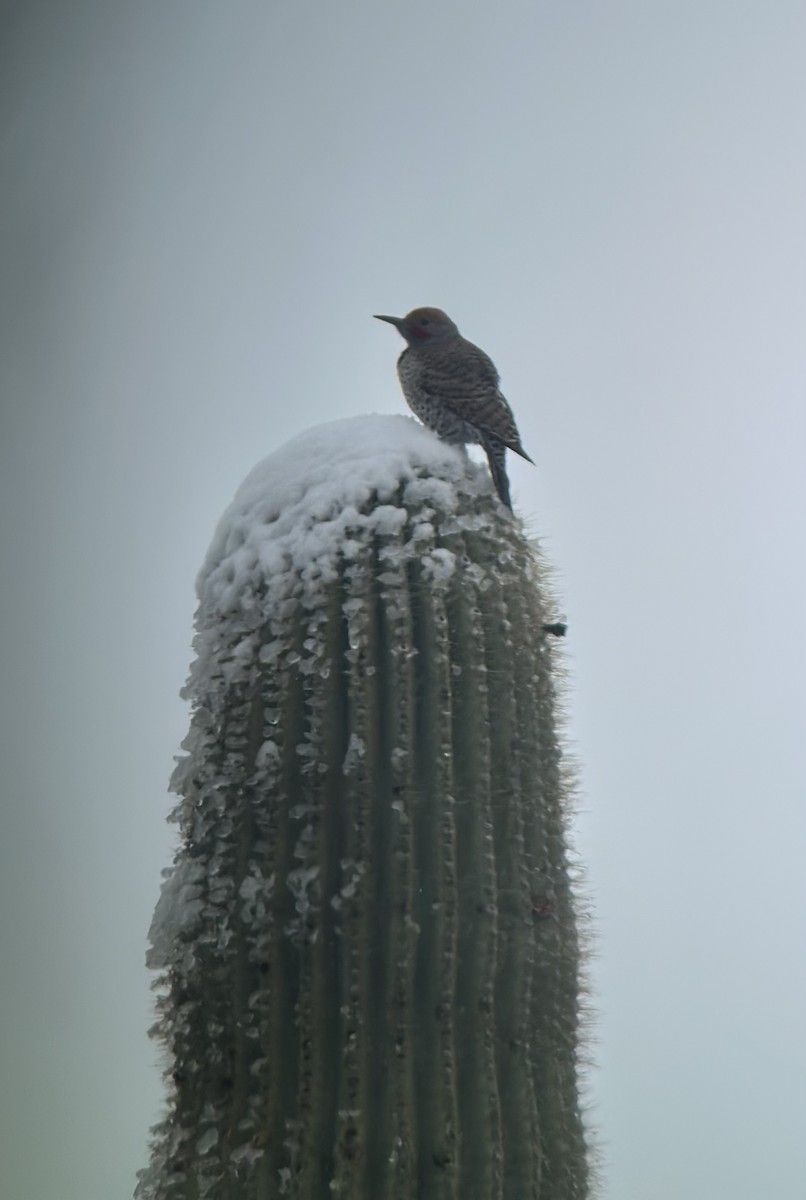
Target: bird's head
x=422, y=326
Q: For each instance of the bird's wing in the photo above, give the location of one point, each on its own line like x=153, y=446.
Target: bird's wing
x=470, y=389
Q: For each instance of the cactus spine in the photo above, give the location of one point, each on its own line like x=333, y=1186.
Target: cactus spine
x=367, y=943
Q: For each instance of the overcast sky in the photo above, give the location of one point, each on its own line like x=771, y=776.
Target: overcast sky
x=202, y=204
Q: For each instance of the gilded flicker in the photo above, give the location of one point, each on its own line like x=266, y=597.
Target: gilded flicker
x=452, y=386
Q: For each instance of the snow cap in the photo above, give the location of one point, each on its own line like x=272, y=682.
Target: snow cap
x=295, y=511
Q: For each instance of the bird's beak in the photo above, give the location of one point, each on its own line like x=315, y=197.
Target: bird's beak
x=396, y=321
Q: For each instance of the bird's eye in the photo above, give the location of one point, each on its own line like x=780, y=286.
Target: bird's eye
x=426, y=321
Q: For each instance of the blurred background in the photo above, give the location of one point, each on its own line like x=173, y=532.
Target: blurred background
x=201, y=207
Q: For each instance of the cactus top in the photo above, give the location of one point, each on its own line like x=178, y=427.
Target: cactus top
x=293, y=514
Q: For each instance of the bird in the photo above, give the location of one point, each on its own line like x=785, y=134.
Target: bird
x=453, y=387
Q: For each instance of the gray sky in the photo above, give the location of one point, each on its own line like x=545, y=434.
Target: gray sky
x=202, y=205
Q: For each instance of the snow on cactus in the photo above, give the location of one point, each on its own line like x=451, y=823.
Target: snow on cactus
x=367, y=944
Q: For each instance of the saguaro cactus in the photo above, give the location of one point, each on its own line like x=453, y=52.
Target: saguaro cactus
x=367, y=942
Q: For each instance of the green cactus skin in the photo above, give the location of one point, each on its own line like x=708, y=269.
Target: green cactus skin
x=368, y=946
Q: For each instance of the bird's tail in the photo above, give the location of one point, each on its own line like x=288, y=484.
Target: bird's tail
x=496, y=456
